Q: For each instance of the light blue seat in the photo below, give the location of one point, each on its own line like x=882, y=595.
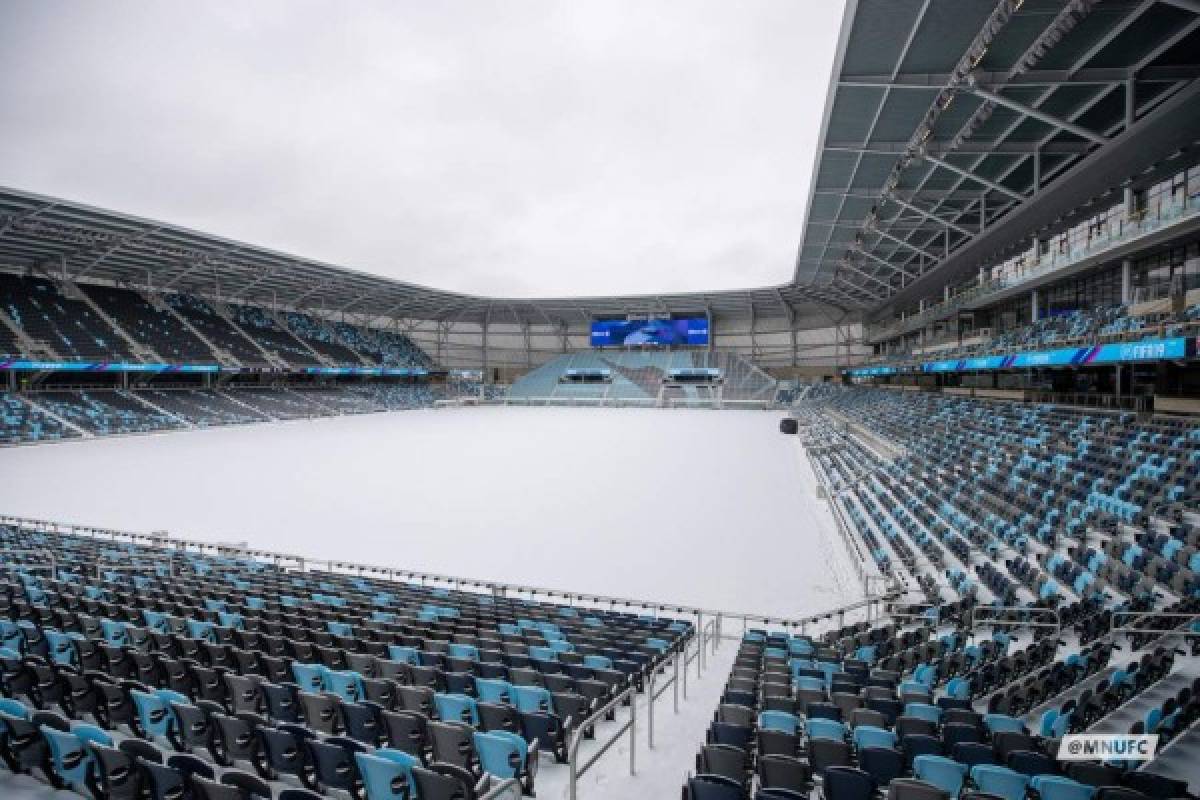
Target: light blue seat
x=1054, y=787
x=1000, y=723
x=501, y=753
x=62, y=651
x=456, y=708
x=339, y=628
x=405, y=655
x=387, y=774
x=542, y=653
x=69, y=757
x=1000, y=781
x=466, y=651
x=780, y=721
x=532, y=699
x=944, y=773
x=201, y=629
x=346, y=684
x=923, y=711
x=562, y=646
x=492, y=690
x=809, y=683
x=872, y=736
x=826, y=729
x=597, y=662
x=310, y=677
x=154, y=710
x=114, y=632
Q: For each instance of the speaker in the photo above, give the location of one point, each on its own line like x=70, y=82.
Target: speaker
x=789, y=425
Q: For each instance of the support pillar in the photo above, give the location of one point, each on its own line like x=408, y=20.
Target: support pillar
x=1127, y=281
x=1033, y=305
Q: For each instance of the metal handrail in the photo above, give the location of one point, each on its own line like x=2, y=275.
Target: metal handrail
x=47, y=554
x=509, y=789
x=1056, y=625
x=1114, y=628
x=460, y=583
x=578, y=770
x=652, y=695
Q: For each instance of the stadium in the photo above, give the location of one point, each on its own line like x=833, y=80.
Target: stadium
x=921, y=522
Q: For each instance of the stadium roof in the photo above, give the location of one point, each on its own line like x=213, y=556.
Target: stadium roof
x=953, y=129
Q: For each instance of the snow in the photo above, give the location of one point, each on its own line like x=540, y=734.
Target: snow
x=697, y=507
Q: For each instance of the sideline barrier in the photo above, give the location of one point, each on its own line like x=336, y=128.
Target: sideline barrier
x=577, y=769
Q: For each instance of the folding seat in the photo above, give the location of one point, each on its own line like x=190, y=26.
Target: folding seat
x=406, y=731
x=113, y=706
x=309, y=677
x=1096, y=774
x=193, y=726
x=507, y=755
x=823, y=753
x=1001, y=723
x=973, y=753
x=320, y=712
x=280, y=701
x=713, y=787
x=884, y=764
x=916, y=744
x=826, y=729
x=69, y=757
x=162, y=782
x=778, y=743
x=547, y=730
x=380, y=692
x=361, y=722
x=865, y=736
x=784, y=772
x=779, y=721
x=453, y=743
x=864, y=716
x=345, y=684
x=235, y=738
x=244, y=693
x=1006, y=742
x=416, y=698
x=387, y=774
x=826, y=711
x=115, y=774
x=208, y=685
x=847, y=783
x=1054, y=787
x=1154, y=785
x=1031, y=762
x=1000, y=781
x=890, y=708
x=281, y=751
x=154, y=717
x=945, y=773
x=445, y=782
x=189, y=766
x=331, y=762
x=724, y=760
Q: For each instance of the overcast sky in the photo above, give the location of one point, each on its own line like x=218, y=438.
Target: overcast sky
x=514, y=148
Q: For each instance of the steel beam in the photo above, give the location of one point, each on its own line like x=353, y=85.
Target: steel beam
x=1038, y=114
x=972, y=176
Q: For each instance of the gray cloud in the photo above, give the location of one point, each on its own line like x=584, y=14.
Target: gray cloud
x=516, y=148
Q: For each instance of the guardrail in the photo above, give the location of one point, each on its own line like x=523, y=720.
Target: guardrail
x=52, y=561
x=578, y=770
x=509, y=789
x=497, y=588
x=652, y=695
x=973, y=618
x=1116, y=628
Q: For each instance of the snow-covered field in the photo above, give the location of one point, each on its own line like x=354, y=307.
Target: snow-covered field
x=715, y=509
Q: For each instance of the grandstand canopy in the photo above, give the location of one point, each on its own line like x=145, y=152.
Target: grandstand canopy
x=953, y=129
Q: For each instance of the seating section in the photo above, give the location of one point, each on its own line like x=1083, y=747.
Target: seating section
x=202, y=407
x=638, y=376
x=382, y=348
x=798, y=713
x=216, y=329
x=21, y=423
x=1046, y=564
x=69, y=327
x=1075, y=327
x=180, y=674
x=321, y=338
x=106, y=412
x=259, y=325
x=161, y=331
